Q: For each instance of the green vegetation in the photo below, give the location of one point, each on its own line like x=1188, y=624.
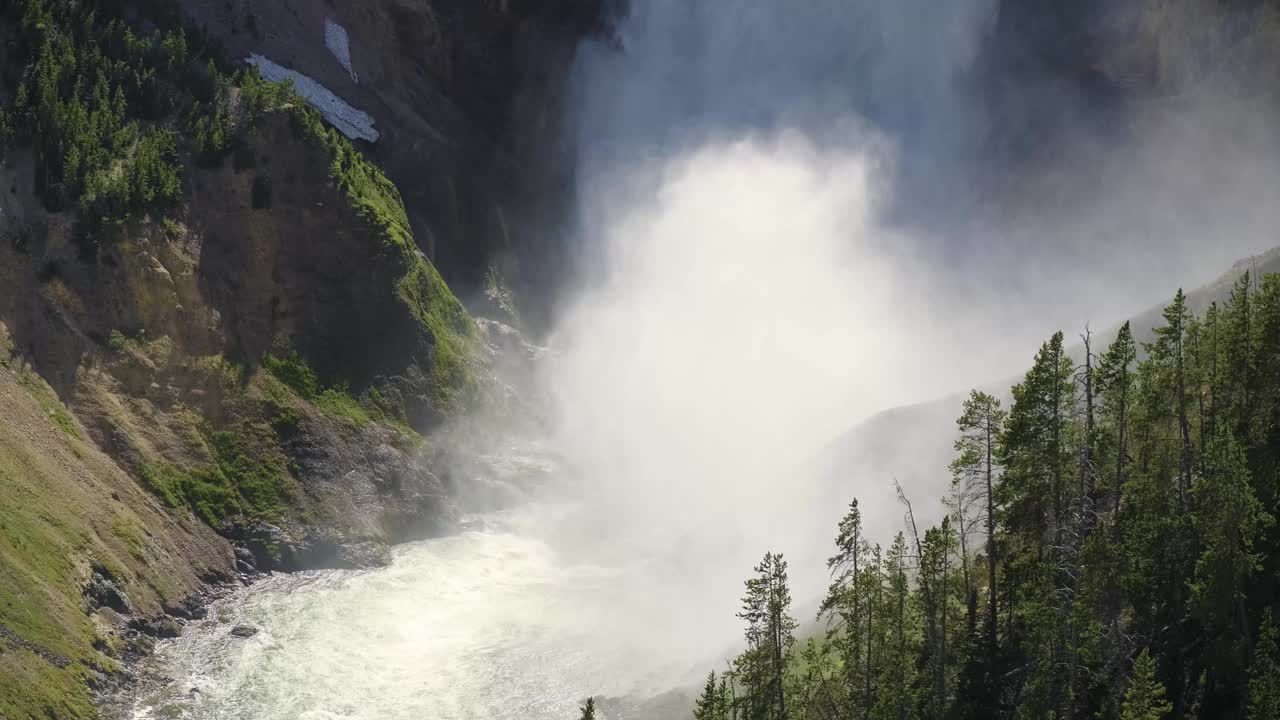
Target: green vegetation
x=249, y=477
x=49, y=401
x=294, y=373
x=1110, y=550
x=289, y=377
x=206, y=491
x=113, y=114
x=433, y=305
x=421, y=288
x=248, y=455
x=127, y=529
x=110, y=111
x=41, y=533
x=103, y=106
x=1144, y=700
x=33, y=689
x=117, y=341
x=495, y=288
x=377, y=200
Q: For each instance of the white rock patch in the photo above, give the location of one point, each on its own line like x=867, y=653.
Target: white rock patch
x=335, y=38
x=355, y=124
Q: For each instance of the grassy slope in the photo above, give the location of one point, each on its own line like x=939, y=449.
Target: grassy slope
x=66, y=507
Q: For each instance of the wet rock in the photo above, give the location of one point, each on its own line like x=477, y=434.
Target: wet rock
x=245, y=561
x=261, y=545
x=244, y=631
x=191, y=608
x=102, y=592
x=137, y=645
x=364, y=555
x=162, y=626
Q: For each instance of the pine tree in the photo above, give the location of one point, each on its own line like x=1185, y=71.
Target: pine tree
x=1037, y=503
x=1131, y=507
x=1229, y=522
x=815, y=686
x=713, y=704
x=1166, y=353
x=1145, y=698
x=895, y=699
x=936, y=584
x=588, y=710
x=845, y=604
x=1266, y=441
x=770, y=635
x=975, y=469
x=1264, y=672
x=1238, y=359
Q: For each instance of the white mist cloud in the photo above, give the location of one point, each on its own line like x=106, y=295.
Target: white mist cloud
x=757, y=281
x=749, y=310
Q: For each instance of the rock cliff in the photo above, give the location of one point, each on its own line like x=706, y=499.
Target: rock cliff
x=259, y=375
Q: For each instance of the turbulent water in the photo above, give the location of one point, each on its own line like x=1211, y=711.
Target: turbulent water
x=491, y=623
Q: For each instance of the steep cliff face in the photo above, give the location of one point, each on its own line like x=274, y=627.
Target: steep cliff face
x=254, y=377
x=467, y=97
x=184, y=353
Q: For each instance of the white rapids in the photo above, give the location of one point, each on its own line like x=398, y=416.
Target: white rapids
x=491, y=623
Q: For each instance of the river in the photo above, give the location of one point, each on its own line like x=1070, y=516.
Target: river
x=495, y=622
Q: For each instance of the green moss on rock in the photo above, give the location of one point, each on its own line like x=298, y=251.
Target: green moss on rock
x=250, y=477
x=293, y=373
x=420, y=288
x=249, y=457
x=206, y=491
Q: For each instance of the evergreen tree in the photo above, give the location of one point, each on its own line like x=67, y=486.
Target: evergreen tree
x=770, y=635
x=1238, y=359
x=588, y=710
x=1264, y=672
x=713, y=704
x=1037, y=501
x=895, y=698
x=938, y=600
x=815, y=686
x=1145, y=698
x=1128, y=507
x=975, y=470
x=1228, y=521
x=1166, y=355
x=846, y=605
x=1265, y=446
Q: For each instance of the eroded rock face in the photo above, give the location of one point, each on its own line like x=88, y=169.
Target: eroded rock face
x=304, y=266
x=156, y=347
x=468, y=97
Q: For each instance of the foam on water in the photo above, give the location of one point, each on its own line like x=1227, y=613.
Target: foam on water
x=492, y=623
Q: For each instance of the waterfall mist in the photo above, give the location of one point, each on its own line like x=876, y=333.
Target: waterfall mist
x=793, y=216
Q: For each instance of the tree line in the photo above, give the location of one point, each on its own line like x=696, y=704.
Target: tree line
x=1109, y=550
x=111, y=111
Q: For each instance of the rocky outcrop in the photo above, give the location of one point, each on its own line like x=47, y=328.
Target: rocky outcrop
x=160, y=442
x=468, y=99
x=269, y=377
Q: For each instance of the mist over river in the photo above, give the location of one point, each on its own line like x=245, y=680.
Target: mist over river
x=493, y=622
x=784, y=222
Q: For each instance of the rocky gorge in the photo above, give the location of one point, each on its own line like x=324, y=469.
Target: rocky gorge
x=267, y=375
x=274, y=278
